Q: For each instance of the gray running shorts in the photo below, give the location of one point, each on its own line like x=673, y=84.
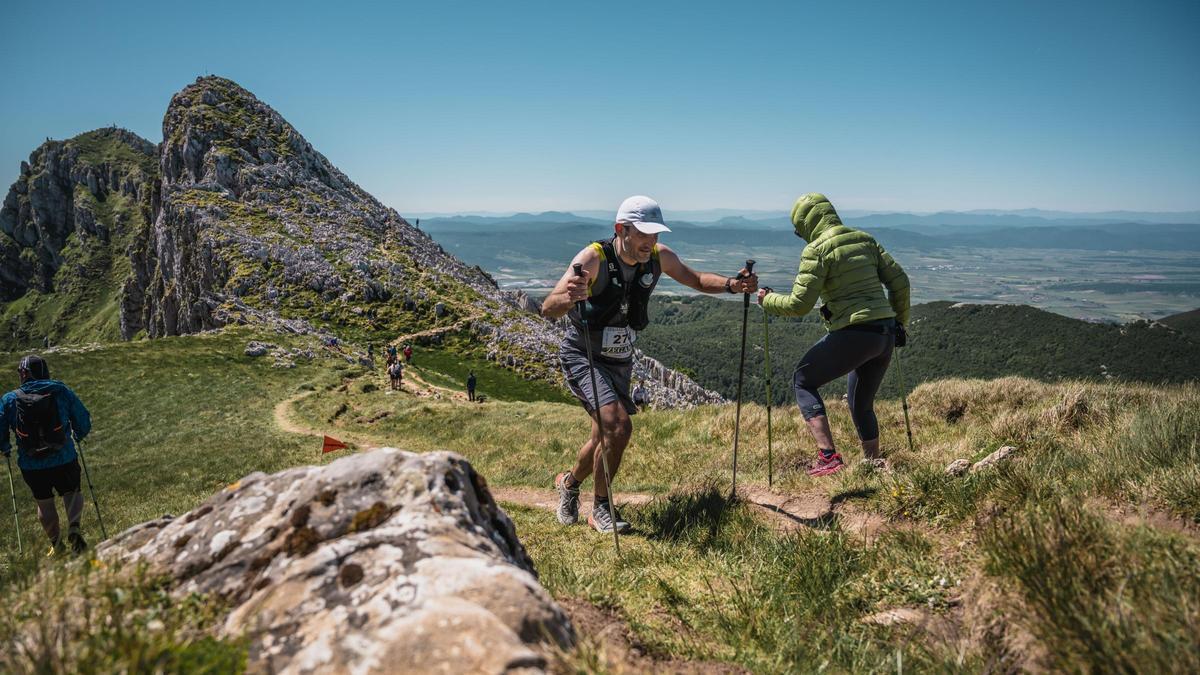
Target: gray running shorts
x=612, y=380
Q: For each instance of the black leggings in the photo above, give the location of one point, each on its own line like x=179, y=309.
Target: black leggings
x=865, y=355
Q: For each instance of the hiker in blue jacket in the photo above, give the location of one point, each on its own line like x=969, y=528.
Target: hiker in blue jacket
x=44, y=415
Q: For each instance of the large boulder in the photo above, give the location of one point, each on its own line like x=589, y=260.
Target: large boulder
x=384, y=561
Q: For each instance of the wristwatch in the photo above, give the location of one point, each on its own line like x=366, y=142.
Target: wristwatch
x=729, y=285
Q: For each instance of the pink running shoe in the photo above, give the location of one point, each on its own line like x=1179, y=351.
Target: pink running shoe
x=825, y=466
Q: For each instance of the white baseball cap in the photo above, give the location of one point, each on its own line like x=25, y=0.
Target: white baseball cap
x=643, y=213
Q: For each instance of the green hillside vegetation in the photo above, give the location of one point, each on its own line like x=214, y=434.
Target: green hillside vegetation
x=1105, y=480
x=1185, y=322
x=84, y=302
x=702, y=337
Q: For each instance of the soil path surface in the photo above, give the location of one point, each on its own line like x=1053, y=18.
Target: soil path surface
x=783, y=512
x=462, y=323
x=285, y=422
x=548, y=499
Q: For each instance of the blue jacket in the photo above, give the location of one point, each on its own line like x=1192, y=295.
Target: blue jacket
x=75, y=418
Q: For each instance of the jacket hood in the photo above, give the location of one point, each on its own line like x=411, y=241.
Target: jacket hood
x=41, y=386
x=812, y=214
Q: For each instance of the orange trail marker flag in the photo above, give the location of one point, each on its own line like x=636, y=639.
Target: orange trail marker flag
x=331, y=444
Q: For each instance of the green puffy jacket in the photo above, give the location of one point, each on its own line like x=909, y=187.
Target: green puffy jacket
x=844, y=267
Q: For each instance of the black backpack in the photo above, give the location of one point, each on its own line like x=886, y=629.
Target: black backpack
x=39, y=427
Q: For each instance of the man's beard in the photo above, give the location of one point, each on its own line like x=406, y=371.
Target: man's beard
x=631, y=251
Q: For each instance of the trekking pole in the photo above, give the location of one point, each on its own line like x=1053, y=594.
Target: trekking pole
x=904, y=401
x=88, y=475
x=737, y=420
x=767, y=368
x=13, y=491
x=612, y=515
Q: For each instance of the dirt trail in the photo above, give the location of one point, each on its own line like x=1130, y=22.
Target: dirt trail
x=401, y=340
x=283, y=420
x=430, y=390
x=548, y=499
x=789, y=512
x=783, y=512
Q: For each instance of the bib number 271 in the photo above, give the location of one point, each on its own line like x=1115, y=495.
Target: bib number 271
x=618, y=342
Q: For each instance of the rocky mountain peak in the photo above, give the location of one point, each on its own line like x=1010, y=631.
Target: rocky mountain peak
x=64, y=190
x=218, y=135
x=241, y=220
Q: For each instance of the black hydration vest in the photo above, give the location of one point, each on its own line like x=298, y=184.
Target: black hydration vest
x=604, y=308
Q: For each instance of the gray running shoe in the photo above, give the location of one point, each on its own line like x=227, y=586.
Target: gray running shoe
x=601, y=522
x=568, y=500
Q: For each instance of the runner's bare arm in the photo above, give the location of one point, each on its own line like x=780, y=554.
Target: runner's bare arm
x=570, y=288
x=705, y=282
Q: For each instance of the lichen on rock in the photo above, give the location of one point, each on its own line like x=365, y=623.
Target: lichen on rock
x=384, y=561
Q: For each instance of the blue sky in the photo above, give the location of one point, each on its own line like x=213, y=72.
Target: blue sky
x=505, y=106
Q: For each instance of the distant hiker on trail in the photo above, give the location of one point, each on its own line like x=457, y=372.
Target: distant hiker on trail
x=391, y=354
x=619, y=274
x=396, y=373
x=847, y=269
x=408, y=353
x=471, y=386
x=44, y=414
x=640, y=399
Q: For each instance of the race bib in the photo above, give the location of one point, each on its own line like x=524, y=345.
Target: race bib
x=618, y=343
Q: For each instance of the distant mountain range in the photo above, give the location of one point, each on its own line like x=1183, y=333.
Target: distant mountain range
x=757, y=219
x=528, y=233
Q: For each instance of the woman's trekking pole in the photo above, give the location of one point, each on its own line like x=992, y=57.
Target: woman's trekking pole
x=13, y=491
x=587, y=341
x=767, y=369
x=904, y=401
x=88, y=475
x=737, y=419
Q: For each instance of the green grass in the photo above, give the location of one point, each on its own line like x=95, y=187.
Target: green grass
x=995, y=554
x=84, y=305
x=127, y=622
x=105, y=146
x=701, y=580
x=1136, y=607
x=449, y=369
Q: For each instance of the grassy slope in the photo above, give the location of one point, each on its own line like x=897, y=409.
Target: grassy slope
x=178, y=418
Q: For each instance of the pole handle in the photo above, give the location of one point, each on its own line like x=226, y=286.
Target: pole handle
x=580, y=304
x=749, y=270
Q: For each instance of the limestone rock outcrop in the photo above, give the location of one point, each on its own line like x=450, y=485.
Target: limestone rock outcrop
x=62, y=191
x=380, y=562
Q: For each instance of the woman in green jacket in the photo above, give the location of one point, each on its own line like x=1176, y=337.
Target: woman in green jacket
x=848, y=270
